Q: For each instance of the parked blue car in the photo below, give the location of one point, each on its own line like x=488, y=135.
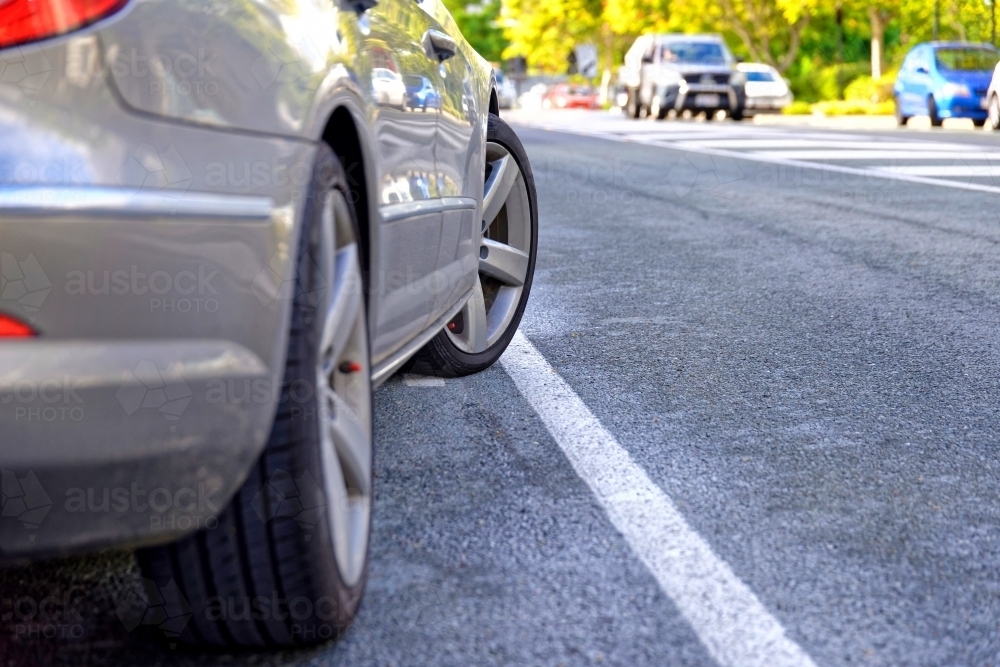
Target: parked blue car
x=945, y=80
x=420, y=93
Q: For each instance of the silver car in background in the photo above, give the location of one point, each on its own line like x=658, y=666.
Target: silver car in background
x=220, y=228
x=766, y=90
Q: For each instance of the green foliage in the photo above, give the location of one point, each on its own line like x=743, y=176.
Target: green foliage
x=866, y=89
x=480, y=25
x=813, y=81
x=798, y=108
x=822, y=47
x=853, y=108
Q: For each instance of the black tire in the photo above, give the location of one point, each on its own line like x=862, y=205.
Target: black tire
x=901, y=120
x=258, y=551
x=658, y=111
x=979, y=122
x=440, y=356
x=737, y=114
x=633, y=108
x=994, y=112
x=932, y=111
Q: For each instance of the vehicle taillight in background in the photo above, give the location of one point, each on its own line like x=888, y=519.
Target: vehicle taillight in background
x=30, y=20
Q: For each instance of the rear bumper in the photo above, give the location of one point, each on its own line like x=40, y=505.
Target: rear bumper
x=763, y=105
x=110, y=442
x=155, y=260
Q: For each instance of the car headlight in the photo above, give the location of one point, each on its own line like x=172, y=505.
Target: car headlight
x=956, y=90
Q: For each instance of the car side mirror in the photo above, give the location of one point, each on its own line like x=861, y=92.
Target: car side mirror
x=647, y=60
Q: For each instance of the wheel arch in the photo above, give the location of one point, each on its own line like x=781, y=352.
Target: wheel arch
x=494, y=106
x=342, y=134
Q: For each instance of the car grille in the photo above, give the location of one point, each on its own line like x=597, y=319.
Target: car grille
x=709, y=78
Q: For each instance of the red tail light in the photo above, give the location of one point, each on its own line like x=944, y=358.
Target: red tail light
x=11, y=328
x=29, y=20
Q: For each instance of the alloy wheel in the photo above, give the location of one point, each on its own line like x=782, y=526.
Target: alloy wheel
x=503, y=256
x=343, y=381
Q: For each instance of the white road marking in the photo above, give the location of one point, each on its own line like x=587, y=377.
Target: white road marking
x=731, y=622
x=799, y=143
x=925, y=154
x=422, y=381
x=617, y=131
x=950, y=171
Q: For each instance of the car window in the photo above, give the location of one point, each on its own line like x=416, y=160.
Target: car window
x=760, y=76
x=703, y=53
x=966, y=59
x=413, y=81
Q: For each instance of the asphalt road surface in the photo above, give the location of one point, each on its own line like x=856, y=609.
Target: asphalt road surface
x=751, y=420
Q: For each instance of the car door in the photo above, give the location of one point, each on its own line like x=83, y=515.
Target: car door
x=459, y=153
x=919, y=82
x=409, y=236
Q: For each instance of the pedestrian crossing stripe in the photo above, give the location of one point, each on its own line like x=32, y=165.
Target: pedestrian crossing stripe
x=949, y=164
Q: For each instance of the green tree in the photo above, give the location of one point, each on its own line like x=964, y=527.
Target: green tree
x=545, y=31
x=480, y=23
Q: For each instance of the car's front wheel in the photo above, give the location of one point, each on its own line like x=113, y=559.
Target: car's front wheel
x=633, y=108
x=481, y=331
x=656, y=108
x=932, y=111
x=993, y=112
x=901, y=118
x=286, y=562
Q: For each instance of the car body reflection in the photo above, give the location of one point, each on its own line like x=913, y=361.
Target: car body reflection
x=421, y=93
x=388, y=88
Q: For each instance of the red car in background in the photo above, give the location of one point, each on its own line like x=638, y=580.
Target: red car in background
x=569, y=96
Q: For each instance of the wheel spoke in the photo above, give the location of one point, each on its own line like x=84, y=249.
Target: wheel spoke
x=503, y=262
x=350, y=439
x=335, y=487
x=475, y=321
x=502, y=178
x=472, y=337
x=344, y=304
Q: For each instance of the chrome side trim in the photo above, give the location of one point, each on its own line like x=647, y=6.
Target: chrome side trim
x=393, y=212
x=62, y=200
x=384, y=370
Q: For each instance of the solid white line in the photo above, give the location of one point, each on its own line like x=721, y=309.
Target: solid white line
x=834, y=143
x=932, y=154
x=725, y=614
x=951, y=171
x=422, y=381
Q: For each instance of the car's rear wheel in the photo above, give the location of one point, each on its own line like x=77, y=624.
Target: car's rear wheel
x=481, y=331
x=932, y=111
x=287, y=561
x=993, y=112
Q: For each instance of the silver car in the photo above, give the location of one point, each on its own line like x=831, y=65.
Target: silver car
x=218, y=232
